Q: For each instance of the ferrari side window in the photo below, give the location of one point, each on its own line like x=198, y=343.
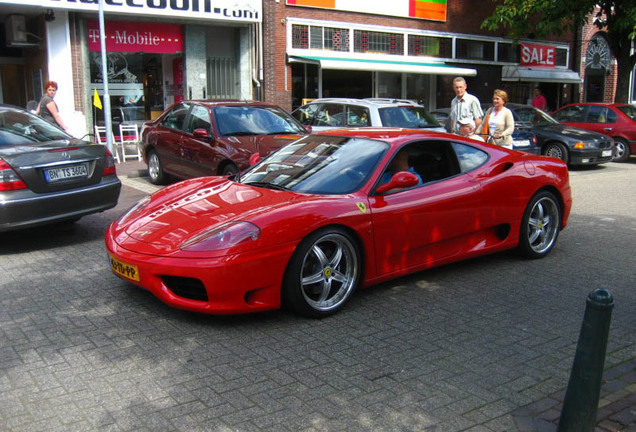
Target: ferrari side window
x=469, y=157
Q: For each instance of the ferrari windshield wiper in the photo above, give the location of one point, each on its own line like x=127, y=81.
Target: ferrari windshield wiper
x=267, y=185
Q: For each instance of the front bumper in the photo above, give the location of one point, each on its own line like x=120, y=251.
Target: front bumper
x=591, y=156
x=232, y=284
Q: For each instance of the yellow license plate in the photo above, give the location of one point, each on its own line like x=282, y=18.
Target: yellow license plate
x=126, y=270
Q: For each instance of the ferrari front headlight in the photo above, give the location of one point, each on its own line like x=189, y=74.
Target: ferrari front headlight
x=223, y=237
x=133, y=210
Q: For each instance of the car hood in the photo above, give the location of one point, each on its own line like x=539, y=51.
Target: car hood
x=192, y=207
x=570, y=131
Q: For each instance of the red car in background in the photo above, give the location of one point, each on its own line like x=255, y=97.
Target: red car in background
x=615, y=120
x=200, y=138
x=333, y=211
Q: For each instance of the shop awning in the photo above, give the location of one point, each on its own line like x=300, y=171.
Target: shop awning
x=519, y=73
x=383, y=66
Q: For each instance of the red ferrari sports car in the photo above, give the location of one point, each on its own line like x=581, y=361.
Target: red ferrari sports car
x=332, y=211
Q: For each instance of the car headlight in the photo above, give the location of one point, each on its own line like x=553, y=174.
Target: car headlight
x=223, y=237
x=133, y=210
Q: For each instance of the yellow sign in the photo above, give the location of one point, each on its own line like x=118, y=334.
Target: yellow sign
x=361, y=207
x=96, y=100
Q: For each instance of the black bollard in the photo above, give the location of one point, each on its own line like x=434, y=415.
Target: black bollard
x=581, y=398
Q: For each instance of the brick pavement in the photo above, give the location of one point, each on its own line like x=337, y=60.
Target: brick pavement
x=484, y=345
x=617, y=404
x=616, y=409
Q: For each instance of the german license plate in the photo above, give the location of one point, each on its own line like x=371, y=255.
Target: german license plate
x=606, y=153
x=121, y=268
x=522, y=143
x=68, y=172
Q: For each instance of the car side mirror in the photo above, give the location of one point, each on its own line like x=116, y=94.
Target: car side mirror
x=400, y=180
x=308, y=128
x=200, y=133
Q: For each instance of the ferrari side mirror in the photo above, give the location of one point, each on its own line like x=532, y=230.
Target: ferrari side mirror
x=400, y=180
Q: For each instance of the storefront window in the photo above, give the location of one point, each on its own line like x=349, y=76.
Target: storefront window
x=475, y=50
x=389, y=85
x=376, y=42
x=430, y=46
x=300, y=36
x=507, y=52
x=336, y=39
x=561, y=57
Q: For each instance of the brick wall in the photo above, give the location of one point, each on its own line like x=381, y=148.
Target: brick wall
x=463, y=16
x=588, y=31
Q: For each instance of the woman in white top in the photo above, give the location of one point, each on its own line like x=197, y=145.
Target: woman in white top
x=498, y=121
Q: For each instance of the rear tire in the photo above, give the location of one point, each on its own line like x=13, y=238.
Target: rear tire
x=322, y=274
x=540, y=225
x=622, y=151
x=155, y=169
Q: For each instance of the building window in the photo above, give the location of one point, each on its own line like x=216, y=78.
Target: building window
x=300, y=36
x=506, y=52
x=376, y=42
x=336, y=39
x=315, y=37
x=430, y=46
x=475, y=50
x=561, y=57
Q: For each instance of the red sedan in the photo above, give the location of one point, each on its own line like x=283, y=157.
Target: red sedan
x=201, y=138
x=615, y=120
x=333, y=211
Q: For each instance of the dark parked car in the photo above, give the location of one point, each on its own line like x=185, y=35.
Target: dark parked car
x=47, y=175
x=201, y=138
x=522, y=138
x=615, y=120
x=572, y=145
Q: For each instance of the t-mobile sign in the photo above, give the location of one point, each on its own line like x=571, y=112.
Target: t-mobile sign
x=128, y=36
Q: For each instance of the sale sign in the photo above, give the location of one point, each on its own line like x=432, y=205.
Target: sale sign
x=536, y=55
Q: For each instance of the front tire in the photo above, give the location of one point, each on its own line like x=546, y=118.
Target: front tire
x=540, y=225
x=322, y=274
x=557, y=150
x=155, y=169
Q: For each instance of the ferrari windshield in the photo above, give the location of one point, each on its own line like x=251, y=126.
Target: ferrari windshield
x=319, y=164
x=18, y=127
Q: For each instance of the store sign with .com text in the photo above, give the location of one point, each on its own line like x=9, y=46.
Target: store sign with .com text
x=128, y=36
x=219, y=10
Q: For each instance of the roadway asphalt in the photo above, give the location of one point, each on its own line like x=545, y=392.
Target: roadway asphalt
x=484, y=345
